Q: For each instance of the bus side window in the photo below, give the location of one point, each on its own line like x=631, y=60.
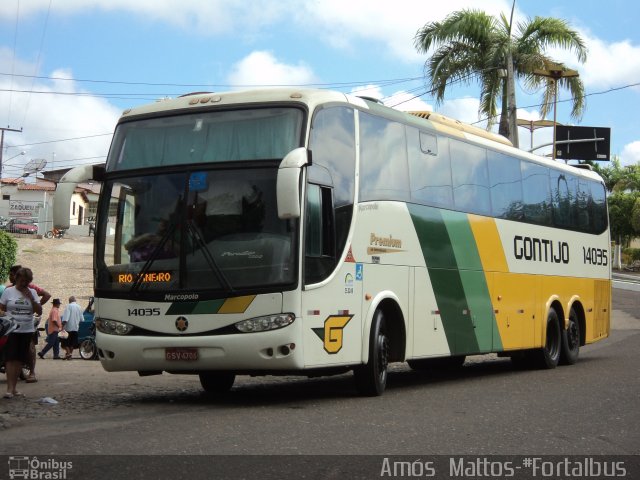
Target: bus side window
x=536, y=195
x=470, y=178
x=320, y=258
x=430, y=168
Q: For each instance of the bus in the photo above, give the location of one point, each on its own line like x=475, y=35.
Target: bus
x=310, y=232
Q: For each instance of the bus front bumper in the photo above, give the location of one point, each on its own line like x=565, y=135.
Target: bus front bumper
x=258, y=351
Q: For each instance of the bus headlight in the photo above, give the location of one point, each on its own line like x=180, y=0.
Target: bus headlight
x=268, y=322
x=112, y=327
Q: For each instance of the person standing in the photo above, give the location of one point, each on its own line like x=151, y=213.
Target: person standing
x=44, y=298
x=54, y=325
x=71, y=319
x=20, y=302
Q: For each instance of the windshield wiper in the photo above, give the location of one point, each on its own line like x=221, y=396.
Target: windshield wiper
x=153, y=257
x=213, y=265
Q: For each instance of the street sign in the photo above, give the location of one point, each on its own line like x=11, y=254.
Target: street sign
x=583, y=143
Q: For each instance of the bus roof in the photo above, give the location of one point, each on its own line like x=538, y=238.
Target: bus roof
x=314, y=97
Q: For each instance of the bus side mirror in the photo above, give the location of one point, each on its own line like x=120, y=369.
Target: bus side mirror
x=65, y=188
x=288, y=183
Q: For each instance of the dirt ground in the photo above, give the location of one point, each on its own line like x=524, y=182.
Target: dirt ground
x=63, y=267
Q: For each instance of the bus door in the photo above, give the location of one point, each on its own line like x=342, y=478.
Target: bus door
x=332, y=319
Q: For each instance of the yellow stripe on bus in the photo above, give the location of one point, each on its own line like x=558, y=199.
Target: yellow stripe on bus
x=236, y=304
x=489, y=244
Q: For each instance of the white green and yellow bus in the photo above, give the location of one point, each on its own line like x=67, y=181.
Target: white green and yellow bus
x=295, y=231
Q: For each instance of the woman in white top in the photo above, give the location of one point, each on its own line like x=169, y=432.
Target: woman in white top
x=20, y=303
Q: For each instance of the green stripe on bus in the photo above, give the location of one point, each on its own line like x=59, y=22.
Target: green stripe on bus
x=445, y=278
x=473, y=281
x=184, y=308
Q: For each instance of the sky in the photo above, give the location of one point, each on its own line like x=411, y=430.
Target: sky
x=68, y=68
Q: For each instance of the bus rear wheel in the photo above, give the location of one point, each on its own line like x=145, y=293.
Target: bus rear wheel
x=371, y=378
x=217, y=382
x=549, y=355
x=570, y=340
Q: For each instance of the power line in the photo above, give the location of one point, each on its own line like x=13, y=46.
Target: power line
x=613, y=89
x=384, y=82
x=37, y=66
x=62, y=140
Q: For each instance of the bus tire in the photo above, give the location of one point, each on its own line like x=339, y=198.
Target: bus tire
x=437, y=364
x=371, y=378
x=570, y=340
x=549, y=354
x=217, y=382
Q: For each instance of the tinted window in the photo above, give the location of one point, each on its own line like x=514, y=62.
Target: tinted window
x=333, y=149
x=470, y=178
x=330, y=208
x=332, y=145
x=506, y=186
x=206, y=137
x=535, y=193
x=384, y=173
x=582, y=204
x=561, y=198
x=430, y=168
x=598, y=208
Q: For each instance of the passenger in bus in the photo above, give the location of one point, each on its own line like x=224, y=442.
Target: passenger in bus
x=142, y=247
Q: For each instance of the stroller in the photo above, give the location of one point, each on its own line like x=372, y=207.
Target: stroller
x=7, y=325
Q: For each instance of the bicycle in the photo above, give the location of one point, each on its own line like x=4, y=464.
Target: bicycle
x=57, y=233
x=87, y=348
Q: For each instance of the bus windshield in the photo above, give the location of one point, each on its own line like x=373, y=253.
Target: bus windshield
x=209, y=230
x=206, y=137
x=198, y=213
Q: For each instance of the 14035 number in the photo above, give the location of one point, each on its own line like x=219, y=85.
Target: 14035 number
x=595, y=256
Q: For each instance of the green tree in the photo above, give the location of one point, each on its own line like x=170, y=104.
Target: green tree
x=618, y=178
x=472, y=45
x=621, y=206
x=635, y=216
x=8, y=250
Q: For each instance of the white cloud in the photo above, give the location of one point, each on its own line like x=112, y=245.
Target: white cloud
x=400, y=100
x=631, y=154
x=463, y=109
x=263, y=68
x=205, y=17
x=44, y=116
x=608, y=64
x=389, y=27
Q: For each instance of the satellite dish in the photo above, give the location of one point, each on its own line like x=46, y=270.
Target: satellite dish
x=34, y=166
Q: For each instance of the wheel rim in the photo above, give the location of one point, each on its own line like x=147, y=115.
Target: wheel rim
x=553, y=340
x=383, y=357
x=573, y=335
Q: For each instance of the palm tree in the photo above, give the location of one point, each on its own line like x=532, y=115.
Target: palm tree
x=472, y=45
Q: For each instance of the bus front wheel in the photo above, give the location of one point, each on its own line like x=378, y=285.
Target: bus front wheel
x=371, y=378
x=217, y=382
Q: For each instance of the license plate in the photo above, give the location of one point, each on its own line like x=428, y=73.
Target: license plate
x=181, y=354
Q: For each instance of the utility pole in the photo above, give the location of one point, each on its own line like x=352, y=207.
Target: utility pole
x=555, y=72
x=2, y=142
x=511, y=89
